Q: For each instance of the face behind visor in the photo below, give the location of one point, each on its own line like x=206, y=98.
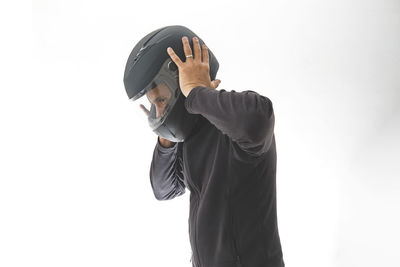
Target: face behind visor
x=163, y=102
x=161, y=94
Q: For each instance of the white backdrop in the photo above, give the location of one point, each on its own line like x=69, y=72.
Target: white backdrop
x=75, y=152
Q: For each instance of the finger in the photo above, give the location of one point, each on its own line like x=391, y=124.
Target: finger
x=145, y=110
x=197, y=49
x=174, y=57
x=186, y=47
x=205, y=54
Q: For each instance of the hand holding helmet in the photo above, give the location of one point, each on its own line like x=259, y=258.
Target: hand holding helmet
x=195, y=71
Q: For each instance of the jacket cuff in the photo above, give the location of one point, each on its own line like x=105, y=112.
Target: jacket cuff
x=191, y=95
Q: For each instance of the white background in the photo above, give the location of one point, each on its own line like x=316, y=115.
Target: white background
x=75, y=153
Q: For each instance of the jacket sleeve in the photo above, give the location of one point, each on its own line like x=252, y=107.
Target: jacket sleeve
x=166, y=171
x=246, y=117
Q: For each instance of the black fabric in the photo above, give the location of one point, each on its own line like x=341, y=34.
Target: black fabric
x=229, y=165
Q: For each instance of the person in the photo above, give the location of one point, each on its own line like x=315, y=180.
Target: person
x=218, y=144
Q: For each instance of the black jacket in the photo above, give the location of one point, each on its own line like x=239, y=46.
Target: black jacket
x=229, y=165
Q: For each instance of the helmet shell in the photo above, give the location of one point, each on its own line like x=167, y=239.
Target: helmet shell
x=150, y=53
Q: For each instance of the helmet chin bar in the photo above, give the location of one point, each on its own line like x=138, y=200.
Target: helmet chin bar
x=164, y=132
x=178, y=124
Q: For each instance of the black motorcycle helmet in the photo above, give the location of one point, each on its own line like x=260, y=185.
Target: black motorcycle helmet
x=149, y=67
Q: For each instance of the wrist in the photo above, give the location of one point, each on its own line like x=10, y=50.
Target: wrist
x=166, y=143
x=188, y=90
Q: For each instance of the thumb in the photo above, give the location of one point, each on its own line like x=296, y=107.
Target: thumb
x=215, y=83
x=145, y=110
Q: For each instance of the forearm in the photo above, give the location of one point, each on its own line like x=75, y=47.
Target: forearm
x=166, y=175
x=246, y=117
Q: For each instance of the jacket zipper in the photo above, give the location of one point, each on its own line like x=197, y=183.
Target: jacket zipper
x=196, y=206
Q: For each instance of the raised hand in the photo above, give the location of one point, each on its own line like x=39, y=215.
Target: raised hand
x=195, y=71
